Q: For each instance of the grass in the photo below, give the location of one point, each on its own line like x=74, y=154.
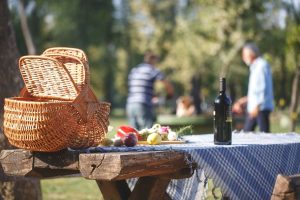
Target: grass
x=70, y=188
x=82, y=189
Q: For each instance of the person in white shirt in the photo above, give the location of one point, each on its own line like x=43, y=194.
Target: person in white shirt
x=259, y=99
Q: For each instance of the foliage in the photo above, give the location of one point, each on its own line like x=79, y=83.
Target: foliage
x=194, y=38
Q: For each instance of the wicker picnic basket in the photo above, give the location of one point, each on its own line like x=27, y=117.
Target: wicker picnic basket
x=57, y=109
x=76, y=63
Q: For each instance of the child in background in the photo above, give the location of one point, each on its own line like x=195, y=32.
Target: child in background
x=185, y=107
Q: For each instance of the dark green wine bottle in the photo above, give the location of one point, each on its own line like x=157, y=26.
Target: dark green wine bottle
x=222, y=117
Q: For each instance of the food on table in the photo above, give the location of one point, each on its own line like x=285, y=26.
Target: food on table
x=164, y=131
x=125, y=130
x=156, y=128
x=172, y=136
x=118, y=142
x=130, y=140
x=187, y=130
x=106, y=142
x=154, y=135
x=144, y=133
x=154, y=138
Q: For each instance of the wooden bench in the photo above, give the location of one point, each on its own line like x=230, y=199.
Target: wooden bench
x=200, y=124
x=286, y=188
x=154, y=169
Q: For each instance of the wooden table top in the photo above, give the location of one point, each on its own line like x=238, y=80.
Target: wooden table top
x=98, y=166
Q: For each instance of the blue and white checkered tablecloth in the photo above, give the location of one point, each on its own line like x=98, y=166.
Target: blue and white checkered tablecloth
x=247, y=169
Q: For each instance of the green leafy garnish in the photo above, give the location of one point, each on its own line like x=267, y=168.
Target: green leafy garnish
x=186, y=130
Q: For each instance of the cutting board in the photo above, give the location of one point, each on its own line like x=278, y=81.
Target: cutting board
x=164, y=142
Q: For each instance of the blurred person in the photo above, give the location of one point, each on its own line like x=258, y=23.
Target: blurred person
x=185, y=107
x=195, y=93
x=141, y=81
x=259, y=99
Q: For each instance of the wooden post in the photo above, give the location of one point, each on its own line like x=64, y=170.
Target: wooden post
x=150, y=188
x=294, y=99
x=114, y=190
x=286, y=188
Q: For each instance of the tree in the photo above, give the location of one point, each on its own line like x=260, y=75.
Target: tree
x=10, y=84
x=25, y=28
x=293, y=51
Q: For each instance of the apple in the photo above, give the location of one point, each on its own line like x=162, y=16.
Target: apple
x=130, y=140
x=125, y=130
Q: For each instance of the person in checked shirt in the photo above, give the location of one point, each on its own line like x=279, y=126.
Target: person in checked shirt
x=141, y=81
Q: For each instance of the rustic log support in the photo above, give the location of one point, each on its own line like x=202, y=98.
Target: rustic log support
x=286, y=187
x=114, y=190
x=124, y=165
x=150, y=188
x=20, y=162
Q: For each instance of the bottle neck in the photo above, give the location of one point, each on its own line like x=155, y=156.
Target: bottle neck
x=222, y=85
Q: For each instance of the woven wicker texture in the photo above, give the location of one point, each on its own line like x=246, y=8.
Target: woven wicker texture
x=67, y=51
x=47, y=78
x=78, y=70
x=71, y=53
x=40, y=122
x=34, y=125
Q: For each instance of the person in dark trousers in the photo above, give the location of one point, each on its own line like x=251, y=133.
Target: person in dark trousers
x=260, y=98
x=195, y=93
x=141, y=81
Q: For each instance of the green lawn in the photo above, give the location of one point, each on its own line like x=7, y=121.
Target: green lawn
x=82, y=189
x=70, y=188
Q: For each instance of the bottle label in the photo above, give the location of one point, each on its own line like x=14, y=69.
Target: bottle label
x=228, y=116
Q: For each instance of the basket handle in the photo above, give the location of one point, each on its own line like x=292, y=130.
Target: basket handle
x=76, y=57
x=86, y=103
x=67, y=51
x=76, y=67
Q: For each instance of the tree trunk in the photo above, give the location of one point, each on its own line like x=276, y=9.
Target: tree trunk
x=25, y=28
x=282, y=100
x=10, y=84
x=294, y=99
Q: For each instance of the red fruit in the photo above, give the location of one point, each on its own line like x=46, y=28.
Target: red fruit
x=130, y=140
x=118, y=143
x=125, y=130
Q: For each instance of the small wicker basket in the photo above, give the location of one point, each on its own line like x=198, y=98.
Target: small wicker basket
x=57, y=109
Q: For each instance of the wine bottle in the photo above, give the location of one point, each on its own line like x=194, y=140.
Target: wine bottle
x=222, y=117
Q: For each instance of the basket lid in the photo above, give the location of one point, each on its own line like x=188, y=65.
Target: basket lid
x=45, y=77
x=67, y=51
x=77, y=69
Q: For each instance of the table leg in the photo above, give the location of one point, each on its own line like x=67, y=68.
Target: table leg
x=150, y=188
x=114, y=190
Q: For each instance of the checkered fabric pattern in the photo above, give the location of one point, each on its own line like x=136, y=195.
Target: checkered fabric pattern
x=247, y=169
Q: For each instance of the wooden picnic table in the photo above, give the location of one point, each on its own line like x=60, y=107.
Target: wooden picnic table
x=154, y=169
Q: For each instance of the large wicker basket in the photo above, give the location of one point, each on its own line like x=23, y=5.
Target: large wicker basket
x=55, y=111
